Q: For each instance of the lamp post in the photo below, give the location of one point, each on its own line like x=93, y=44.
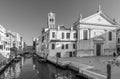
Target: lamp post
x=56, y=64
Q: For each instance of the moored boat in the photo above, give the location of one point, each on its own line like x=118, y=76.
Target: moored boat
x=62, y=76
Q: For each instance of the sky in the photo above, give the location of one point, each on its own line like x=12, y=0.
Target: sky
x=28, y=17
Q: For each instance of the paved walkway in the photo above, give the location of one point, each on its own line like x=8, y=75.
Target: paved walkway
x=95, y=65
x=99, y=63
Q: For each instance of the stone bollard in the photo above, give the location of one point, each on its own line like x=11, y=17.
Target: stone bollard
x=108, y=71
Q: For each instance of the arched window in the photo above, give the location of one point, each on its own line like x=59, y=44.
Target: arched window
x=51, y=20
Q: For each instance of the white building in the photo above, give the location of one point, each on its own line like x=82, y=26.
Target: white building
x=118, y=41
x=57, y=41
x=12, y=38
x=96, y=35
x=18, y=40
x=39, y=46
x=62, y=42
x=4, y=43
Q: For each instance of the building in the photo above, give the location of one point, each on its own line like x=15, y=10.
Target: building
x=118, y=41
x=57, y=41
x=96, y=35
x=4, y=43
x=8, y=40
x=39, y=46
x=62, y=42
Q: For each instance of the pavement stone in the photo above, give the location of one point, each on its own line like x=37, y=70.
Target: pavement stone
x=94, y=64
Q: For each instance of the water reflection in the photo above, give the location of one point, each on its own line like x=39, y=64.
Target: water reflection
x=29, y=65
x=49, y=71
x=13, y=71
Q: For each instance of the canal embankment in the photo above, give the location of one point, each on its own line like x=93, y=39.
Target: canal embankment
x=63, y=65
x=5, y=63
x=83, y=69
x=90, y=67
x=55, y=69
x=30, y=68
x=70, y=65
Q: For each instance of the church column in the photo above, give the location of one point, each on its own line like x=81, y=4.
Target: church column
x=78, y=35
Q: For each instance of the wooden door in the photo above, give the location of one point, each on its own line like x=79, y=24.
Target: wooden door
x=98, y=49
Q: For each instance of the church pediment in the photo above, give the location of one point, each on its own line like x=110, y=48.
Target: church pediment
x=99, y=18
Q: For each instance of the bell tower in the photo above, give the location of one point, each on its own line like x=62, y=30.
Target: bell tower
x=51, y=20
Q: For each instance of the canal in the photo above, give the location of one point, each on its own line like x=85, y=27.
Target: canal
x=30, y=68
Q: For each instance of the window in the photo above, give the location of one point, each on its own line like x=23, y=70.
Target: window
x=1, y=47
x=118, y=40
x=85, y=34
x=75, y=35
x=110, y=36
x=51, y=20
x=53, y=46
x=70, y=54
x=66, y=46
x=62, y=35
x=53, y=34
x=4, y=46
x=58, y=54
x=68, y=36
x=62, y=46
x=7, y=35
x=42, y=38
x=74, y=54
x=74, y=46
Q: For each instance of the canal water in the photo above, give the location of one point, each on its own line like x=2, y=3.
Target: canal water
x=31, y=68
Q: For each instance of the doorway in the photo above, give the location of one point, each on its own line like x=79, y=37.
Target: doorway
x=98, y=49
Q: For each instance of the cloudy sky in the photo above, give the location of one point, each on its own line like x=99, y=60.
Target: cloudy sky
x=27, y=17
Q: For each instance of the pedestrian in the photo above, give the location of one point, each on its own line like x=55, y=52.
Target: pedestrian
x=114, y=54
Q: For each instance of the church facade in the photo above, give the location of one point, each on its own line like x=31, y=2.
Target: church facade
x=96, y=35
